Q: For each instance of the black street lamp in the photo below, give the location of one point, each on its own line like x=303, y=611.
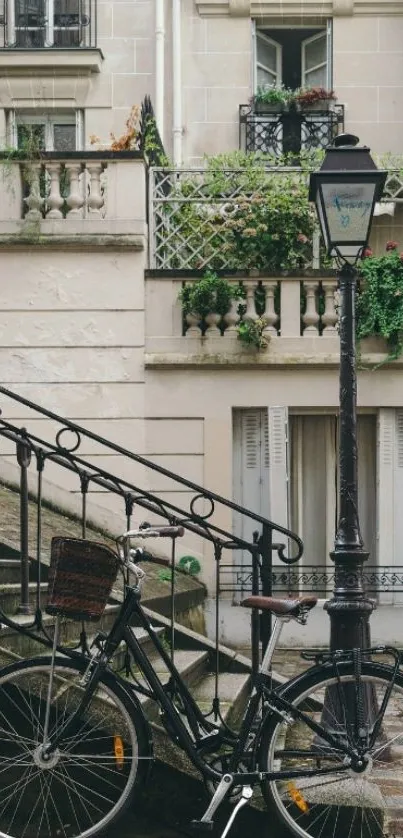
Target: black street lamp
x=345, y=190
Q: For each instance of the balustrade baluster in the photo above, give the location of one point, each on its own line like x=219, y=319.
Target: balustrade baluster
x=54, y=200
x=250, y=313
x=212, y=319
x=329, y=317
x=75, y=198
x=311, y=317
x=34, y=200
x=269, y=313
x=193, y=319
x=232, y=318
x=95, y=199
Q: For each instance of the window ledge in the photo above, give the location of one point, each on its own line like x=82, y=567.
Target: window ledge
x=49, y=59
x=293, y=8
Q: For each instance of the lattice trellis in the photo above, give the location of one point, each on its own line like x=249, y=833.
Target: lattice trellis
x=191, y=213
x=191, y=210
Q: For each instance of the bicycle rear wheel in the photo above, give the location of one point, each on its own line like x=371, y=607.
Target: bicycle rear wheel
x=339, y=801
x=90, y=779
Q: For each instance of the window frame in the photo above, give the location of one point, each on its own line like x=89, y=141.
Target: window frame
x=49, y=119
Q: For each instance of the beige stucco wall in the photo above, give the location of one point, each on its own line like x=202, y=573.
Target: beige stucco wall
x=216, y=71
x=368, y=73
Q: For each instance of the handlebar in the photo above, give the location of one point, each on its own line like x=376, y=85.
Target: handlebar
x=153, y=532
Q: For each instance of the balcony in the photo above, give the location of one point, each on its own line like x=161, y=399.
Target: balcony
x=288, y=132
x=48, y=34
x=301, y=324
x=81, y=197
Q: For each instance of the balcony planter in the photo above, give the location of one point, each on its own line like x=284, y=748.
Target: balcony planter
x=319, y=105
x=262, y=108
x=314, y=99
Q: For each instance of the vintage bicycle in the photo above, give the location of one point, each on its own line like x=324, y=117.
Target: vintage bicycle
x=326, y=748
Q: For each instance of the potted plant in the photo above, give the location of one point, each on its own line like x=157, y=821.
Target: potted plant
x=269, y=99
x=314, y=99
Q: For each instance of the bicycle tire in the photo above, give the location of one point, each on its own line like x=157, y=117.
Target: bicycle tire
x=93, y=776
x=343, y=803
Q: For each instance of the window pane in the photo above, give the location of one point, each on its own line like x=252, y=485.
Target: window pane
x=64, y=137
x=31, y=138
x=265, y=78
x=67, y=23
x=267, y=54
x=316, y=78
x=315, y=52
x=30, y=23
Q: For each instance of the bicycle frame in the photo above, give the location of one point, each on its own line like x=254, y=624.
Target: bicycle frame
x=204, y=737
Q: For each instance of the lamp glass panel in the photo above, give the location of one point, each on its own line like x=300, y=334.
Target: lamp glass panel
x=348, y=210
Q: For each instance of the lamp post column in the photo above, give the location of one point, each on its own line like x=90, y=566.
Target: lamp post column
x=349, y=609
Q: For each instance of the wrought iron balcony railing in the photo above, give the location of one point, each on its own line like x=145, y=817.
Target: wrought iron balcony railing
x=41, y=24
x=288, y=132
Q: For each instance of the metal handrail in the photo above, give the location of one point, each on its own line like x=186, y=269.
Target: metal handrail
x=200, y=522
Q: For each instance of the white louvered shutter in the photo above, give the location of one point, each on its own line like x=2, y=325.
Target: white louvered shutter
x=386, y=437
x=279, y=465
x=251, y=474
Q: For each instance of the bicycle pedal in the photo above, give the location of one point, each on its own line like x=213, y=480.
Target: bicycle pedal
x=202, y=826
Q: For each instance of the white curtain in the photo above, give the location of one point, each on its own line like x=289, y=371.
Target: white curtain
x=314, y=483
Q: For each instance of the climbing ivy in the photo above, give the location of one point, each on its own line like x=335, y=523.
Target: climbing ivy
x=380, y=299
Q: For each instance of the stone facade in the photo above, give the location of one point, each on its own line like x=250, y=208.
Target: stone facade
x=85, y=331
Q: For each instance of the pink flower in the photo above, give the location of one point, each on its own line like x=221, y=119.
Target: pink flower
x=391, y=245
x=302, y=238
x=367, y=252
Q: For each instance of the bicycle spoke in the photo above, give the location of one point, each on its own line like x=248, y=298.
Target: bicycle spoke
x=79, y=788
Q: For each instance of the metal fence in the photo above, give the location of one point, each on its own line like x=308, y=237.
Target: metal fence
x=289, y=132
x=316, y=579
x=192, y=211
x=48, y=23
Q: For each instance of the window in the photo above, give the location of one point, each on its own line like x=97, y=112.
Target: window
x=36, y=24
x=59, y=131
x=268, y=61
x=294, y=57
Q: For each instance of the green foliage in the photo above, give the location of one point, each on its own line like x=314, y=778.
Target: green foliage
x=269, y=95
x=250, y=332
x=210, y=293
x=380, y=301
x=152, y=146
x=245, y=215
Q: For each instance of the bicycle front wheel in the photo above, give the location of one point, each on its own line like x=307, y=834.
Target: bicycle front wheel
x=338, y=800
x=90, y=779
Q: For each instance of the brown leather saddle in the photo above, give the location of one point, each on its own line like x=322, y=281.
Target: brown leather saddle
x=281, y=607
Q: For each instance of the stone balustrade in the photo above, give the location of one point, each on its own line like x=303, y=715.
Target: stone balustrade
x=297, y=314
x=80, y=193
x=290, y=307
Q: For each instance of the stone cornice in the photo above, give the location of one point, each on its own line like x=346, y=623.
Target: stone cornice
x=293, y=8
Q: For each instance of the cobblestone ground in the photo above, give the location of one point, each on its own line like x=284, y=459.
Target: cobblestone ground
x=164, y=810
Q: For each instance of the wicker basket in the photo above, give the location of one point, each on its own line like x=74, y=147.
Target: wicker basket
x=81, y=575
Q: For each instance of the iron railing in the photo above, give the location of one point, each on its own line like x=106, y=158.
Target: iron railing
x=40, y=24
x=64, y=449
x=288, y=132
x=317, y=579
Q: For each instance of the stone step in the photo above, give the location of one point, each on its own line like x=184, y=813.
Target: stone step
x=233, y=692
x=10, y=571
x=190, y=664
x=10, y=596
x=23, y=646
